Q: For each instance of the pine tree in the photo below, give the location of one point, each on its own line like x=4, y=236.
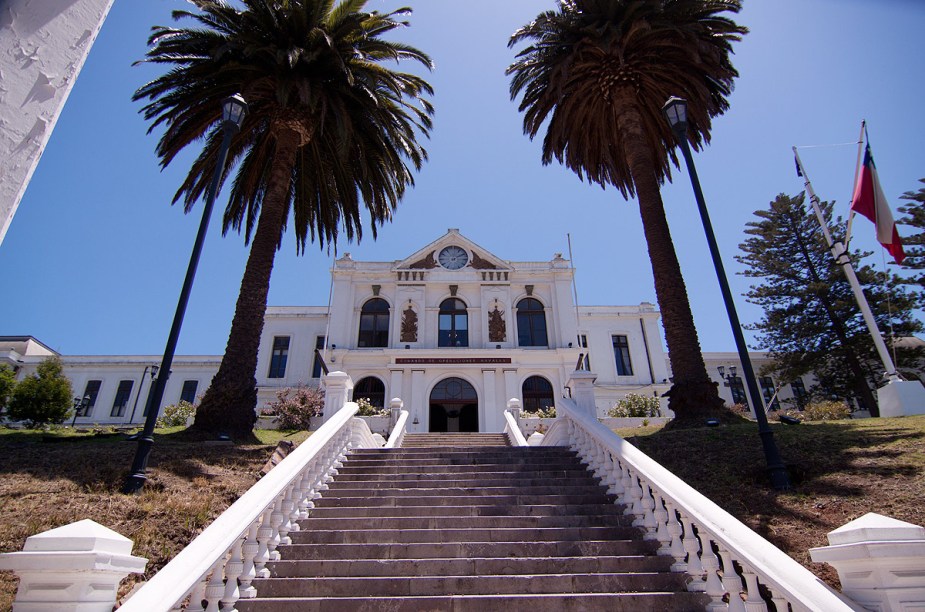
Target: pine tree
x=914, y=245
x=812, y=323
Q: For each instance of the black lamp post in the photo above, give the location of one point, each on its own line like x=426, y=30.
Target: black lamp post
x=675, y=110
x=233, y=111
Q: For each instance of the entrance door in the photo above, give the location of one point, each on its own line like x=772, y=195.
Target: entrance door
x=454, y=406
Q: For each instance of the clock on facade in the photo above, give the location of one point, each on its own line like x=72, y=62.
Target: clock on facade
x=453, y=257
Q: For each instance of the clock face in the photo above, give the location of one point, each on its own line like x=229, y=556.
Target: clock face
x=453, y=258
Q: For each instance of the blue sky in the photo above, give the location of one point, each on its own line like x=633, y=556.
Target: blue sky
x=94, y=259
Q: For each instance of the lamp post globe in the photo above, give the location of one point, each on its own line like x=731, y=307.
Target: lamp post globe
x=675, y=110
x=234, y=110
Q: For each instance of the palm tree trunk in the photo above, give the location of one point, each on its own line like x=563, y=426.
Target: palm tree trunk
x=229, y=405
x=692, y=395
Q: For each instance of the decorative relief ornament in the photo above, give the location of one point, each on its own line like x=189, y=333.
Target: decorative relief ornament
x=428, y=263
x=482, y=264
x=409, y=325
x=497, y=329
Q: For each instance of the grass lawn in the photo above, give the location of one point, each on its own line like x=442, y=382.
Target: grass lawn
x=841, y=469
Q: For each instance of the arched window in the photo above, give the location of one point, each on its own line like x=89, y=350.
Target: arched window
x=531, y=323
x=454, y=323
x=372, y=389
x=374, y=324
x=537, y=394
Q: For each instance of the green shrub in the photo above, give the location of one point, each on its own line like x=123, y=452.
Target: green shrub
x=826, y=411
x=7, y=384
x=176, y=415
x=635, y=406
x=295, y=406
x=368, y=410
x=546, y=412
x=43, y=397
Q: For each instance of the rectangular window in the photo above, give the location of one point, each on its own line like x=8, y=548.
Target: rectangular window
x=188, y=393
x=799, y=392
x=738, y=390
x=122, y=394
x=279, y=356
x=583, y=343
x=316, y=362
x=621, y=352
x=91, y=390
x=767, y=389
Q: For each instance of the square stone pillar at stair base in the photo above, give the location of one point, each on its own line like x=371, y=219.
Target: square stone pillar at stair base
x=901, y=398
x=582, y=385
x=337, y=388
x=74, y=568
x=880, y=562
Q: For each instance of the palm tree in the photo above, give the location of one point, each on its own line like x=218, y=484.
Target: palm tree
x=599, y=71
x=330, y=131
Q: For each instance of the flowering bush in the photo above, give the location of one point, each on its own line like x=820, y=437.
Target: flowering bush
x=176, y=415
x=826, y=411
x=368, y=410
x=635, y=406
x=295, y=406
x=546, y=412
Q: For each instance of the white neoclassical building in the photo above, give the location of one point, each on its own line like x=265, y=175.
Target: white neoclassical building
x=453, y=330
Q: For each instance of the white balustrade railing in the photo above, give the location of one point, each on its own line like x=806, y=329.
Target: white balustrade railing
x=397, y=437
x=512, y=430
x=721, y=556
x=218, y=567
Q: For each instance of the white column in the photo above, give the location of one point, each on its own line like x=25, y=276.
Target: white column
x=337, y=387
x=418, y=409
x=75, y=568
x=511, y=388
x=395, y=384
x=492, y=418
x=880, y=562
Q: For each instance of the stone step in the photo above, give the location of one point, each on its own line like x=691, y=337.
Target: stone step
x=465, y=550
x=468, y=585
x=460, y=500
x=465, y=522
x=467, y=567
x=572, y=602
x=424, y=462
x=442, y=536
x=562, y=470
x=448, y=483
x=509, y=451
x=471, y=489
x=467, y=510
x=406, y=476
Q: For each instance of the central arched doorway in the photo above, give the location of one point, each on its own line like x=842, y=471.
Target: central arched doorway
x=454, y=406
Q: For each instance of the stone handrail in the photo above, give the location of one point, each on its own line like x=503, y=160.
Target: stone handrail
x=398, y=432
x=217, y=568
x=707, y=543
x=512, y=430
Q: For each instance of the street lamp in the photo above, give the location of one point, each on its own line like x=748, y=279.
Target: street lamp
x=154, y=370
x=233, y=111
x=675, y=110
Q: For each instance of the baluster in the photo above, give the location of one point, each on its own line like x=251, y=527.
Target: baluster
x=647, y=521
x=233, y=570
x=614, y=476
x=779, y=601
x=298, y=498
x=250, y=550
x=216, y=588
x=635, y=496
x=597, y=459
x=692, y=548
x=733, y=582
x=198, y=595
x=628, y=488
x=676, y=548
x=285, y=508
x=714, y=586
x=753, y=601
x=276, y=520
x=661, y=520
x=264, y=533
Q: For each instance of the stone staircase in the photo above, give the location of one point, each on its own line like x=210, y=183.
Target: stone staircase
x=459, y=522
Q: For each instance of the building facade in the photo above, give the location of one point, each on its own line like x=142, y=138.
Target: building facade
x=452, y=330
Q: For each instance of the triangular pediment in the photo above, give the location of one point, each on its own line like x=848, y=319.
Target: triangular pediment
x=426, y=258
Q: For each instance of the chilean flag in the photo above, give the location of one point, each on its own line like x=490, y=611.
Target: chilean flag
x=869, y=200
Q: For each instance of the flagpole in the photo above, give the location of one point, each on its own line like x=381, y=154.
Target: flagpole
x=857, y=172
x=840, y=253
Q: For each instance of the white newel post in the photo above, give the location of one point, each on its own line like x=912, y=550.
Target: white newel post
x=582, y=385
x=395, y=408
x=74, y=568
x=513, y=405
x=337, y=387
x=880, y=562
x=901, y=398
